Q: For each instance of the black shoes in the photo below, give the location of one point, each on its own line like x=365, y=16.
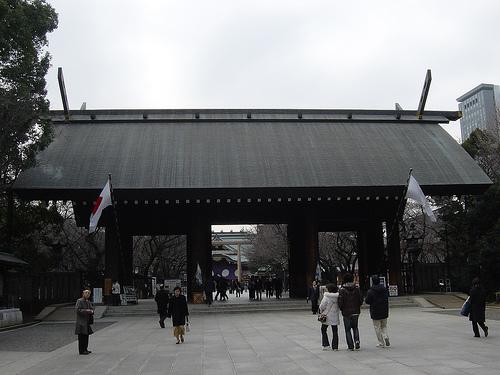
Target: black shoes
x=162, y=325
x=86, y=352
x=356, y=345
x=387, y=342
x=485, y=331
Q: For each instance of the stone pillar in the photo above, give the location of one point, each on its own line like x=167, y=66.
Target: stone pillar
x=394, y=256
x=199, y=252
x=303, y=254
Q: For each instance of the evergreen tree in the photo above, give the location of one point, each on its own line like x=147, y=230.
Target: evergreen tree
x=25, y=128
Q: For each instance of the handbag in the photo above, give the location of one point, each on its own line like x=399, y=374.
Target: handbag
x=90, y=318
x=466, y=307
x=322, y=318
x=188, y=327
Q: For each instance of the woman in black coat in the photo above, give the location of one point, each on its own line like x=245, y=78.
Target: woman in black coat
x=178, y=310
x=477, y=307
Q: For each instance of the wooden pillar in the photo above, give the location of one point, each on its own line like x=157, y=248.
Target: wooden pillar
x=394, y=256
x=376, y=256
x=296, y=262
x=303, y=254
x=311, y=248
x=362, y=258
x=238, y=260
x=112, y=269
x=199, y=252
x=112, y=253
x=371, y=257
x=128, y=259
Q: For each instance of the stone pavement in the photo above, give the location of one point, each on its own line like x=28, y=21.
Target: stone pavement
x=423, y=342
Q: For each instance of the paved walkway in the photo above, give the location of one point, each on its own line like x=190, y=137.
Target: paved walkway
x=423, y=342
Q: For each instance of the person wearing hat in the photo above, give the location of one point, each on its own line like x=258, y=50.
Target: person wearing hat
x=378, y=299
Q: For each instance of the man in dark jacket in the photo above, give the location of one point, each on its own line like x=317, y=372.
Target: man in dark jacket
x=350, y=301
x=378, y=299
x=161, y=299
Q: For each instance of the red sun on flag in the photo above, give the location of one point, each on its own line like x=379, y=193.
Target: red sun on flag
x=96, y=205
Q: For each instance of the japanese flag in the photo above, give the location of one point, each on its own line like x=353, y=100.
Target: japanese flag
x=101, y=203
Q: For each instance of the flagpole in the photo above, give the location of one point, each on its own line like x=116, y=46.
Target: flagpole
x=117, y=227
x=401, y=204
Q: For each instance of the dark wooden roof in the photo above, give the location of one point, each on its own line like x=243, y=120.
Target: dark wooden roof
x=246, y=149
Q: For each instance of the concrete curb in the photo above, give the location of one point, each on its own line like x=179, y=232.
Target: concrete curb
x=48, y=310
x=422, y=302
x=9, y=328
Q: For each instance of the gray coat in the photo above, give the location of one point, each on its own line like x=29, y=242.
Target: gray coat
x=82, y=317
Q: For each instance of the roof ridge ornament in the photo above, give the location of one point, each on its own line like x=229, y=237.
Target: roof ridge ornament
x=62, y=89
x=425, y=92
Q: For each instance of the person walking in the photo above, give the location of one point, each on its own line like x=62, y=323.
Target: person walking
x=162, y=299
x=350, y=301
x=178, y=311
x=115, y=293
x=238, y=288
x=258, y=288
x=251, y=288
x=378, y=299
x=477, y=314
x=278, y=287
x=84, y=318
x=329, y=307
x=223, y=289
x=313, y=296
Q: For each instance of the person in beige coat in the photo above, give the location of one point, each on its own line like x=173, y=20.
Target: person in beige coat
x=329, y=307
x=84, y=318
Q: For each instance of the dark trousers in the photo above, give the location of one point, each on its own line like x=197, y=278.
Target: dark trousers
x=209, y=297
x=314, y=306
x=476, y=329
x=163, y=316
x=83, y=343
x=116, y=299
x=324, y=336
x=351, y=323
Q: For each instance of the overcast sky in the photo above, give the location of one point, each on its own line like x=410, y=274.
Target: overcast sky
x=272, y=54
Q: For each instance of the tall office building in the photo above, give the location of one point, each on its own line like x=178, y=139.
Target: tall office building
x=480, y=109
